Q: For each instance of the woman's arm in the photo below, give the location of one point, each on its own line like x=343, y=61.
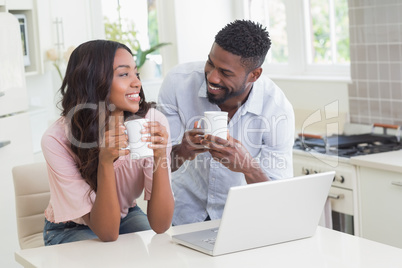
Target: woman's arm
x=104, y=218
x=161, y=205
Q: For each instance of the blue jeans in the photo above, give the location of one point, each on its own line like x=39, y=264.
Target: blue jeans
x=59, y=233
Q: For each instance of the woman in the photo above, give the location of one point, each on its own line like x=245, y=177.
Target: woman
x=93, y=181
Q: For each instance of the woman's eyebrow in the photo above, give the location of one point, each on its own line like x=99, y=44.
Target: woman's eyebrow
x=121, y=66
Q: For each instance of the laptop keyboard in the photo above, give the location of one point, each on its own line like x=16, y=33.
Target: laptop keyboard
x=211, y=240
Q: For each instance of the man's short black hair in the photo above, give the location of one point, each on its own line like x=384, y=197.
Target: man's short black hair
x=247, y=39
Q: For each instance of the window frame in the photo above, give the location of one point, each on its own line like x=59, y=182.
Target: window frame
x=298, y=65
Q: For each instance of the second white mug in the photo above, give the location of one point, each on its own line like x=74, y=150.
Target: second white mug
x=215, y=123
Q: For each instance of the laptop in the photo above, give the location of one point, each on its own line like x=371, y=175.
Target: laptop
x=265, y=213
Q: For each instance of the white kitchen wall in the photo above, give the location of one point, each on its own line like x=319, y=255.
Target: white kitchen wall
x=197, y=22
x=330, y=97
x=313, y=95
x=191, y=26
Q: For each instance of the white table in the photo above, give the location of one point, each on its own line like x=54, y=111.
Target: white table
x=327, y=248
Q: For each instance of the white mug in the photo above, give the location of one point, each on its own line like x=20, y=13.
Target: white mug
x=138, y=148
x=215, y=123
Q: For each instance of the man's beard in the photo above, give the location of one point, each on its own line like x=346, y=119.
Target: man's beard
x=214, y=100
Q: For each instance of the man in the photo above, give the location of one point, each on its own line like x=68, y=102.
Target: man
x=261, y=123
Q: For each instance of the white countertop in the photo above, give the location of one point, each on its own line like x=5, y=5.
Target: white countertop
x=325, y=157
x=327, y=248
x=389, y=161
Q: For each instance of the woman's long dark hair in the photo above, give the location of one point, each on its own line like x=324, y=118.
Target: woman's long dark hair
x=85, y=102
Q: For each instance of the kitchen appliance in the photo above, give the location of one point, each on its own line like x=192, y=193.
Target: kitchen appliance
x=352, y=145
x=315, y=154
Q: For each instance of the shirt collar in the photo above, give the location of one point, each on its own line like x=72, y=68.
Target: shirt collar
x=202, y=92
x=255, y=99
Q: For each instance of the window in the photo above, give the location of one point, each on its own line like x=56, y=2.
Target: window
x=329, y=31
x=134, y=23
x=273, y=15
x=309, y=37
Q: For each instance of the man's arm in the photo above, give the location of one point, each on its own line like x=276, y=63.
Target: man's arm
x=188, y=149
x=177, y=160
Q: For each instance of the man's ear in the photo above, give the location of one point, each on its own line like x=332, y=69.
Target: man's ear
x=255, y=74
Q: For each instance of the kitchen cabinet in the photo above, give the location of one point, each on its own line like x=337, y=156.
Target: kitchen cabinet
x=15, y=130
x=380, y=197
x=41, y=76
x=33, y=51
x=67, y=25
x=381, y=205
x=15, y=149
x=19, y=4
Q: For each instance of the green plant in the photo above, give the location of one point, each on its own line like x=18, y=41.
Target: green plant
x=113, y=31
x=141, y=55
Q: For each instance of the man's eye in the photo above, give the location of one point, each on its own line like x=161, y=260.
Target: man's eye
x=225, y=74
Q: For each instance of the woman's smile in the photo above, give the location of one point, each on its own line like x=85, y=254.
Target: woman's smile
x=134, y=96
